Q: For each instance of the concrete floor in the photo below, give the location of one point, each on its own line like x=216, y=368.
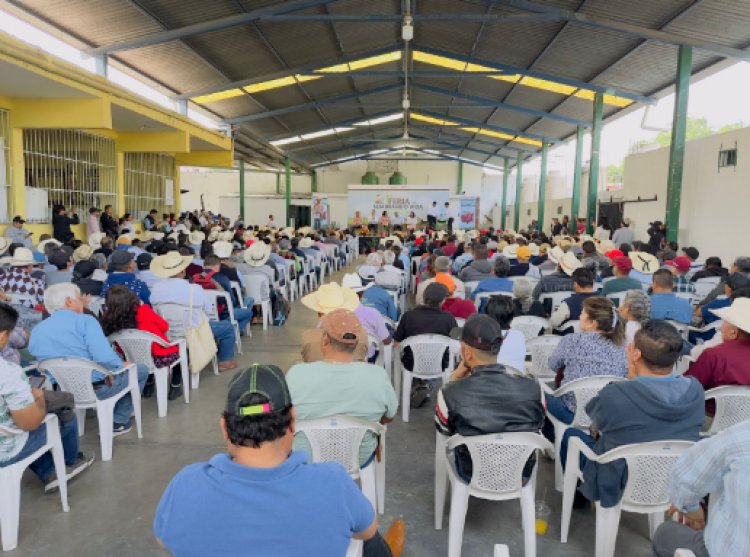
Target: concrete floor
x=112, y=505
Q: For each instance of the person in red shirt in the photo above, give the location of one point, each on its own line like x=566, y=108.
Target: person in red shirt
x=729, y=362
x=125, y=311
x=458, y=307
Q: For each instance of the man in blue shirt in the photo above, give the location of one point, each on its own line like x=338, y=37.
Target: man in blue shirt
x=122, y=271
x=498, y=283
x=376, y=297
x=263, y=496
x=665, y=304
x=241, y=315
x=70, y=333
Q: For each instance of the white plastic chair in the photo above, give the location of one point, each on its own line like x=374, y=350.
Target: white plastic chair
x=338, y=439
x=428, y=353
x=649, y=472
x=137, y=345
x=74, y=376
x=10, y=480
x=178, y=317
x=689, y=296
x=355, y=548
x=213, y=314
x=258, y=289
x=584, y=390
x=732, y=406
x=555, y=297
x=500, y=550
x=237, y=289
x=704, y=286
x=686, y=330
x=498, y=461
x=469, y=287
x=530, y=325
x=540, y=348
x=684, y=553
x=96, y=305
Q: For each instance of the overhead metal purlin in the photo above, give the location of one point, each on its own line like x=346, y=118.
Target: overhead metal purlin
x=542, y=189
x=677, y=144
x=503, y=205
x=575, y=202
x=205, y=26
x=519, y=188
x=596, y=139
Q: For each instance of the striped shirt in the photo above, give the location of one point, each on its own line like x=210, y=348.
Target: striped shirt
x=683, y=284
x=719, y=465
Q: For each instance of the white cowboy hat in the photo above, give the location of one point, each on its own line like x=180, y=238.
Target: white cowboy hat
x=534, y=248
x=156, y=236
x=213, y=236
x=248, y=235
x=330, y=297
x=288, y=231
x=510, y=251
x=226, y=236
x=738, y=314
x=555, y=254
x=223, y=250
x=305, y=243
x=569, y=263
x=83, y=253
x=306, y=230
x=395, y=239
x=354, y=281
x=197, y=237
x=419, y=234
x=257, y=254
x=43, y=244
x=605, y=246
x=644, y=262
x=170, y=264
x=216, y=229
x=22, y=257
x=95, y=239
x=4, y=244
x=585, y=238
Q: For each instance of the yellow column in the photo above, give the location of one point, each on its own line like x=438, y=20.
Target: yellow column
x=120, y=169
x=18, y=174
x=176, y=206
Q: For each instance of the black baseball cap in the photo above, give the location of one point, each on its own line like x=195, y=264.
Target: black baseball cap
x=480, y=332
x=18, y=218
x=265, y=380
x=59, y=258
x=143, y=261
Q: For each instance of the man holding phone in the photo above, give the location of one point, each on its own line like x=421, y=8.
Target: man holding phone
x=17, y=233
x=23, y=409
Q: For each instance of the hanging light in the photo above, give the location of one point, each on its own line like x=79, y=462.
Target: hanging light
x=407, y=31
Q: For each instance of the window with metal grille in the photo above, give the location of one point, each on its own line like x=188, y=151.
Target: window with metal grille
x=5, y=167
x=728, y=157
x=75, y=169
x=148, y=176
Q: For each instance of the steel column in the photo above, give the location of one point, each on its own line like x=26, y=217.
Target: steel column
x=460, y=187
x=519, y=184
x=677, y=144
x=506, y=175
x=288, y=171
x=278, y=182
x=242, y=189
x=314, y=182
x=596, y=139
x=576, y=201
x=542, y=189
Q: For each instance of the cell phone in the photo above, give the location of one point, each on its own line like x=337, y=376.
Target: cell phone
x=36, y=381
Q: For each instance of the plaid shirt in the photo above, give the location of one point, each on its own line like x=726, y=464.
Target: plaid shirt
x=683, y=284
x=17, y=280
x=719, y=465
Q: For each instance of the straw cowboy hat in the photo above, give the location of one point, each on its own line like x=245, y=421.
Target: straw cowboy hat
x=22, y=257
x=330, y=297
x=534, y=249
x=305, y=243
x=395, y=239
x=644, y=262
x=510, y=251
x=288, y=232
x=223, y=250
x=555, y=254
x=83, y=253
x=95, y=239
x=170, y=264
x=197, y=237
x=257, y=254
x=569, y=263
x=216, y=229
x=213, y=236
x=157, y=236
x=306, y=230
x=227, y=236
x=605, y=246
x=146, y=235
x=738, y=314
x=4, y=244
x=43, y=244
x=354, y=281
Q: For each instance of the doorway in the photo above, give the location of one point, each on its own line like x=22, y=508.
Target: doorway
x=301, y=215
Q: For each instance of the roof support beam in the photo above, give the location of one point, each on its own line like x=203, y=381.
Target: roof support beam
x=464, y=122
x=541, y=75
x=314, y=104
x=481, y=101
x=629, y=29
x=206, y=26
x=395, y=18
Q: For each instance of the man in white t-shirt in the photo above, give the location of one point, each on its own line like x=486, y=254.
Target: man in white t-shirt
x=432, y=215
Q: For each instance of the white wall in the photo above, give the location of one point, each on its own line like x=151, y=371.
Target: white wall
x=714, y=208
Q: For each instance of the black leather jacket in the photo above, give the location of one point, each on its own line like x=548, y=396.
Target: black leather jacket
x=490, y=401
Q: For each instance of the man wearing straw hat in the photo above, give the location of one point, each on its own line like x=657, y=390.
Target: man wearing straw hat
x=17, y=278
x=560, y=280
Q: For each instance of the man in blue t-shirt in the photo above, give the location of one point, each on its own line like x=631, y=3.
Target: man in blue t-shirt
x=261, y=498
x=665, y=304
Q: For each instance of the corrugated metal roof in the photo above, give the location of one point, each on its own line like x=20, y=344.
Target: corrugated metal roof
x=249, y=52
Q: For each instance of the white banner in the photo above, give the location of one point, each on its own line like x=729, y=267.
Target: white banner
x=366, y=203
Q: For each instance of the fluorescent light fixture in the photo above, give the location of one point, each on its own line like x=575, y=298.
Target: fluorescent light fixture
x=286, y=141
x=431, y=151
x=379, y=151
x=324, y=133
x=380, y=120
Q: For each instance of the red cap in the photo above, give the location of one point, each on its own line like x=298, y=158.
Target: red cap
x=622, y=263
x=419, y=241
x=614, y=253
x=249, y=243
x=680, y=263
